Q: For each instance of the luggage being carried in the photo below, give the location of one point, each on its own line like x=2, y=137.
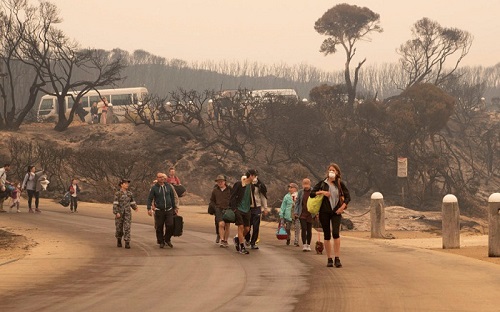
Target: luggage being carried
x=281, y=233
x=180, y=190
x=211, y=209
x=65, y=200
x=178, y=225
x=229, y=216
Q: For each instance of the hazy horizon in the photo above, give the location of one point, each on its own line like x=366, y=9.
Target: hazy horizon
x=266, y=32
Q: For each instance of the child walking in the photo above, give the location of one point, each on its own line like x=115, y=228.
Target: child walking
x=15, y=197
x=287, y=207
x=122, y=209
x=74, y=190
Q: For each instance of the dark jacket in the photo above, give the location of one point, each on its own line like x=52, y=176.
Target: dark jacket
x=221, y=199
x=237, y=194
x=163, y=196
x=262, y=187
x=70, y=189
x=326, y=207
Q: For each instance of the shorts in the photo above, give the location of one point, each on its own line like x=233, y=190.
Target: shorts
x=219, y=214
x=242, y=218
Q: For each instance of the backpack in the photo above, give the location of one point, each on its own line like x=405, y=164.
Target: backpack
x=66, y=199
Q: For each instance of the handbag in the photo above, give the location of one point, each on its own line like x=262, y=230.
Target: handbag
x=229, y=216
x=314, y=204
x=178, y=225
x=281, y=233
x=211, y=209
x=65, y=200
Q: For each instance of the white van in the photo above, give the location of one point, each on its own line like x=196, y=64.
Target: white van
x=121, y=99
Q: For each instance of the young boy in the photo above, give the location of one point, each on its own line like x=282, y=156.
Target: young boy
x=74, y=190
x=287, y=207
x=122, y=205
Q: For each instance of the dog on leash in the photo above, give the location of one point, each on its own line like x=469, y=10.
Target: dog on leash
x=319, y=247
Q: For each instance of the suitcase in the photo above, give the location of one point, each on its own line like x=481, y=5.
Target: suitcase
x=178, y=225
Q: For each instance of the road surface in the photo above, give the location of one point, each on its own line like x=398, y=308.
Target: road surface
x=84, y=271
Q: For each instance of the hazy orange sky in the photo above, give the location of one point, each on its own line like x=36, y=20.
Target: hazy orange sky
x=271, y=31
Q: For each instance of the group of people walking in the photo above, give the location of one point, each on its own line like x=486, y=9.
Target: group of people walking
x=33, y=183
x=162, y=203
x=247, y=197
x=245, y=200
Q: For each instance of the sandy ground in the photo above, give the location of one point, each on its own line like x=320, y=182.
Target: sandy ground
x=18, y=241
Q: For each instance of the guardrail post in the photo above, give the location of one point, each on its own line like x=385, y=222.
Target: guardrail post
x=450, y=222
x=377, y=215
x=494, y=225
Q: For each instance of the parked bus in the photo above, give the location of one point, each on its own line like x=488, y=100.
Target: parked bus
x=121, y=99
x=269, y=94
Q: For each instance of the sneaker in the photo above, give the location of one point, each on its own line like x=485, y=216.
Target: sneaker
x=72, y=211
x=162, y=245
x=169, y=244
x=337, y=262
x=237, y=243
x=217, y=240
x=330, y=263
x=304, y=248
x=18, y=211
x=31, y=211
x=244, y=251
x=308, y=247
x=226, y=244
x=296, y=244
x=287, y=242
x=247, y=243
x=127, y=245
x=38, y=210
x=254, y=247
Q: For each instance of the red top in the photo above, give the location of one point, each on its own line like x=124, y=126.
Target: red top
x=173, y=180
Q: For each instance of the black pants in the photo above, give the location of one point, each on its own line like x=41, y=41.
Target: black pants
x=216, y=226
x=36, y=194
x=164, y=225
x=327, y=218
x=254, y=226
x=74, y=203
x=306, y=232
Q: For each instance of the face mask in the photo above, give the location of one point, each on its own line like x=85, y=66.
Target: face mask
x=332, y=174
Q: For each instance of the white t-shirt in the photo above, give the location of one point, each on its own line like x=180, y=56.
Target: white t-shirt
x=74, y=189
x=3, y=176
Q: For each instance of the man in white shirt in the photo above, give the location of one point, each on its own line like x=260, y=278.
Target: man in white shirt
x=3, y=184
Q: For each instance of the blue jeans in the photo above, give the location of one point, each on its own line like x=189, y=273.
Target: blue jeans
x=254, y=225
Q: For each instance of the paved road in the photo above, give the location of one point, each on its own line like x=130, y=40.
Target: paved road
x=198, y=276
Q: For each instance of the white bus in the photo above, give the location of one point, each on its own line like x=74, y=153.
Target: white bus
x=274, y=93
x=121, y=99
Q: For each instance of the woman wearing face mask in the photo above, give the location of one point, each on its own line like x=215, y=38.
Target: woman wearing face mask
x=335, y=201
